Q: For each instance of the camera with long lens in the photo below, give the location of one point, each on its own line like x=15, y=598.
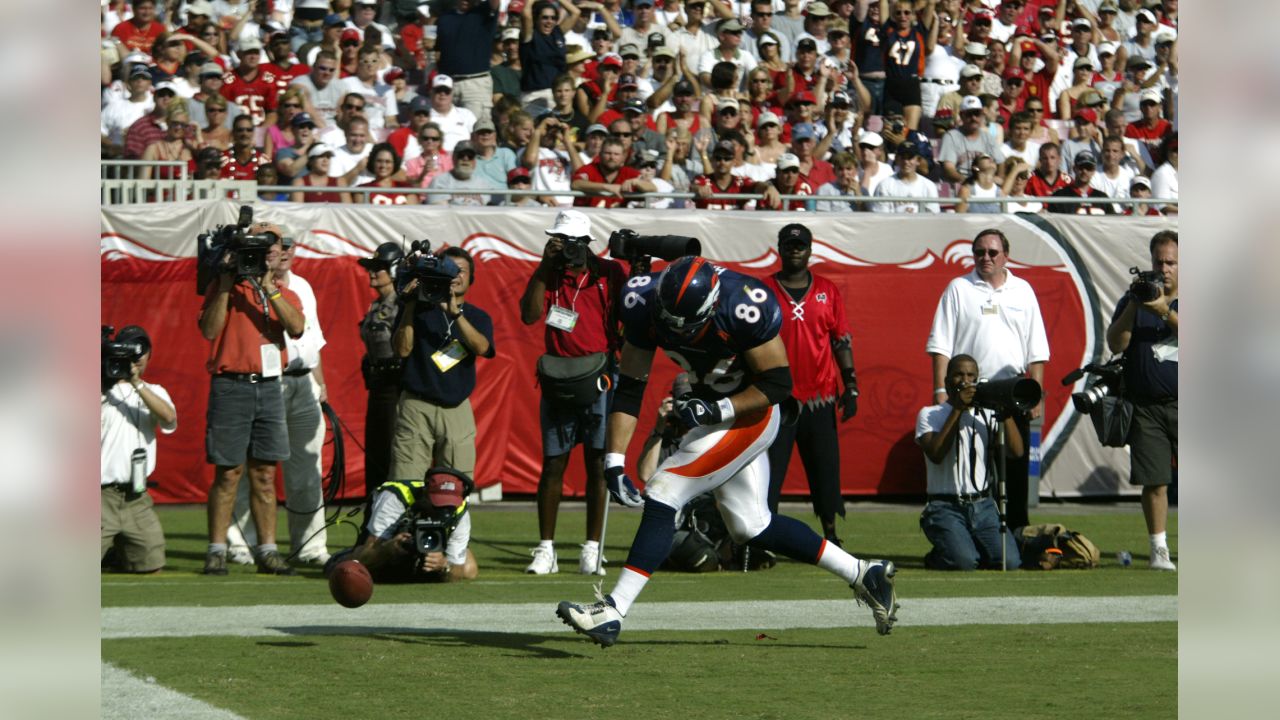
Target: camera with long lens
x=1108, y=381
x=574, y=251
x=118, y=356
x=248, y=251
x=1147, y=285
x=434, y=274
x=637, y=249
x=1011, y=396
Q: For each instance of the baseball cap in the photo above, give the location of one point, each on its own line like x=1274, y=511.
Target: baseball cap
x=301, y=119
x=611, y=60
x=635, y=105
x=442, y=81
x=976, y=49
x=656, y=40
x=319, y=149
x=629, y=49
x=768, y=38
x=907, y=149
x=601, y=33
x=943, y=117
x=1029, y=49
x=1081, y=24
x=250, y=45
x=983, y=15
x=1164, y=35
x=420, y=104
x=139, y=71
x=970, y=71
x=795, y=233
x=210, y=68
x=507, y=34
x=643, y=3
x=392, y=74
x=788, y=160
x=1014, y=74
x=648, y=157
x=1108, y=6
x=807, y=43
x=1137, y=61
x=165, y=85
x=1087, y=115
x=803, y=131
x=840, y=98
x=333, y=20
x=199, y=7
x=1140, y=180
x=1092, y=98
x=597, y=129
x=1151, y=95
x=767, y=118
x=1085, y=157
x=350, y=34
x=817, y=9
x=627, y=80
x=1107, y=48
x=1145, y=14
x=484, y=124
x=724, y=148
x=577, y=54
x=663, y=51
x=684, y=87
x=1082, y=62
x=366, y=2
x=571, y=223
x=135, y=333
x=464, y=146
x=804, y=96
x=871, y=139
x=730, y=25
x=970, y=103
x=518, y=173
x=445, y=487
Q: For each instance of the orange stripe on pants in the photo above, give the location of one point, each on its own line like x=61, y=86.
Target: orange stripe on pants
x=735, y=442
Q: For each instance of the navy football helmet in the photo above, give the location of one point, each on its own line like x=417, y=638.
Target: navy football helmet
x=687, y=293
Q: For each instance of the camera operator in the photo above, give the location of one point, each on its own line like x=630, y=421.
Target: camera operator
x=574, y=293
x=390, y=550
x=245, y=320
x=439, y=343
x=380, y=367
x=132, y=409
x=961, y=520
x=304, y=391
x=1147, y=334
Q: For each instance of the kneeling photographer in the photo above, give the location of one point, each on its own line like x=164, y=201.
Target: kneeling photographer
x=1144, y=328
x=418, y=531
x=132, y=409
x=440, y=336
x=959, y=440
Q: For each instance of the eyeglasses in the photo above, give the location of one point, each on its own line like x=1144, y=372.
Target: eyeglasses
x=728, y=111
x=349, y=106
x=986, y=253
x=430, y=138
x=621, y=134
x=325, y=68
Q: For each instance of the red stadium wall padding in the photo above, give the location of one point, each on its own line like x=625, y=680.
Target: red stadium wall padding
x=890, y=304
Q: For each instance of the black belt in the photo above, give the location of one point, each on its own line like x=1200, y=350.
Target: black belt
x=297, y=373
x=246, y=377
x=958, y=499
x=937, y=81
x=471, y=76
x=388, y=365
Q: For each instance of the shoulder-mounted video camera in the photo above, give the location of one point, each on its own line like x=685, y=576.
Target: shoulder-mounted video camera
x=434, y=274
x=1108, y=381
x=248, y=251
x=118, y=356
x=1147, y=285
x=1011, y=396
x=637, y=249
x=438, y=505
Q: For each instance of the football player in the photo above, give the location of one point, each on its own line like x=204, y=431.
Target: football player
x=720, y=327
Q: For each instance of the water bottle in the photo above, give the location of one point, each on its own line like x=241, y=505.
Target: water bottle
x=1124, y=558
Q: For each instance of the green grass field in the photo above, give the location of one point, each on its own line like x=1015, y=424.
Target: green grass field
x=991, y=668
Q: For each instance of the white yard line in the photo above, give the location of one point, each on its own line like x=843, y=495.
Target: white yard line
x=332, y=619
x=128, y=697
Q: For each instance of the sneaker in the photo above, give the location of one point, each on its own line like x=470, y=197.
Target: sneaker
x=215, y=563
x=599, y=621
x=240, y=555
x=544, y=562
x=1160, y=560
x=270, y=563
x=587, y=561
x=874, y=588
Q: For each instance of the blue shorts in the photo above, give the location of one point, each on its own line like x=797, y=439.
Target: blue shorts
x=561, y=431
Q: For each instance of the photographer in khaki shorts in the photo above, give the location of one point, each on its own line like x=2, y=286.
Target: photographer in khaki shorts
x=245, y=321
x=440, y=344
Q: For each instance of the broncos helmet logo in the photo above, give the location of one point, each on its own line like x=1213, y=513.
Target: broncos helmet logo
x=687, y=293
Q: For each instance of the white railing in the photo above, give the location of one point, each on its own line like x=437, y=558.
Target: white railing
x=131, y=192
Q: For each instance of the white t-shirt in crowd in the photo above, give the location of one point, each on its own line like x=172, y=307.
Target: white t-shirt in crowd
x=895, y=186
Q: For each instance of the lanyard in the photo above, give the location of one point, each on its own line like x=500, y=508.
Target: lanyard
x=573, y=304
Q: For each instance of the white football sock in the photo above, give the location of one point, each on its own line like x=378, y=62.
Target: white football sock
x=1160, y=540
x=837, y=561
x=630, y=583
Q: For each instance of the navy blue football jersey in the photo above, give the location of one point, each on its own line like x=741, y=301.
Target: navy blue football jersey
x=747, y=315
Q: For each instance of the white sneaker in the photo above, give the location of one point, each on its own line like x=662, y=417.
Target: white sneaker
x=240, y=555
x=1160, y=560
x=544, y=562
x=587, y=561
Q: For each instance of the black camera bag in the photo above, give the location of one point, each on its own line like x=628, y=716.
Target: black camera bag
x=1111, y=418
x=573, y=383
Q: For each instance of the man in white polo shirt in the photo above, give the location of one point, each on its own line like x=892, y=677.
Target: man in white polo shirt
x=994, y=317
x=456, y=122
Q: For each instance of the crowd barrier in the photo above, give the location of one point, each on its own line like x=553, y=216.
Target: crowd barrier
x=890, y=270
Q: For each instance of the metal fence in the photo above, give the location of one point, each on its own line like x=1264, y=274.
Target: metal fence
x=131, y=192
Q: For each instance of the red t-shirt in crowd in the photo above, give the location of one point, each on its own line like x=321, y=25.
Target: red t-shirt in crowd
x=239, y=348
x=820, y=174
x=592, y=296
x=233, y=169
x=1037, y=86
x=737, y=186
x=254, y=97
x=592, y=173
x=809, y=327
x=388, y=198
x=1152, y=137
x=1039, y=187
x=802, y=188
x=284, y=76
x=136, y=38
x=411, y=35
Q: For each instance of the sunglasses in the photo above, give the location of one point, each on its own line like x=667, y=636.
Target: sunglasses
x=295, y=106
x=722, y=158
x=349, y=106
x=325, y=68
x=986, y=253
x=621, y=134
x=464, y=156
x=430, y=138
x=242, y=130
x=214, y=110
x=789, y=170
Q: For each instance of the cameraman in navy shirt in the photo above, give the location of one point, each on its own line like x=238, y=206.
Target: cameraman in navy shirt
x=440, y=344
x=1147, y=334
x=465, y=43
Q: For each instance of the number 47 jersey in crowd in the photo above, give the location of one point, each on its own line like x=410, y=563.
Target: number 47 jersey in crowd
x=746, y=315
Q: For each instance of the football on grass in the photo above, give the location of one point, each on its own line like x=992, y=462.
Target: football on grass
x=350, y=584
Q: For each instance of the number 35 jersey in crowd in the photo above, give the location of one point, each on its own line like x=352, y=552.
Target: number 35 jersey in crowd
x=747, y=315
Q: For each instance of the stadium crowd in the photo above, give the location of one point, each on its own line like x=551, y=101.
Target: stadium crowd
x=967, y=100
